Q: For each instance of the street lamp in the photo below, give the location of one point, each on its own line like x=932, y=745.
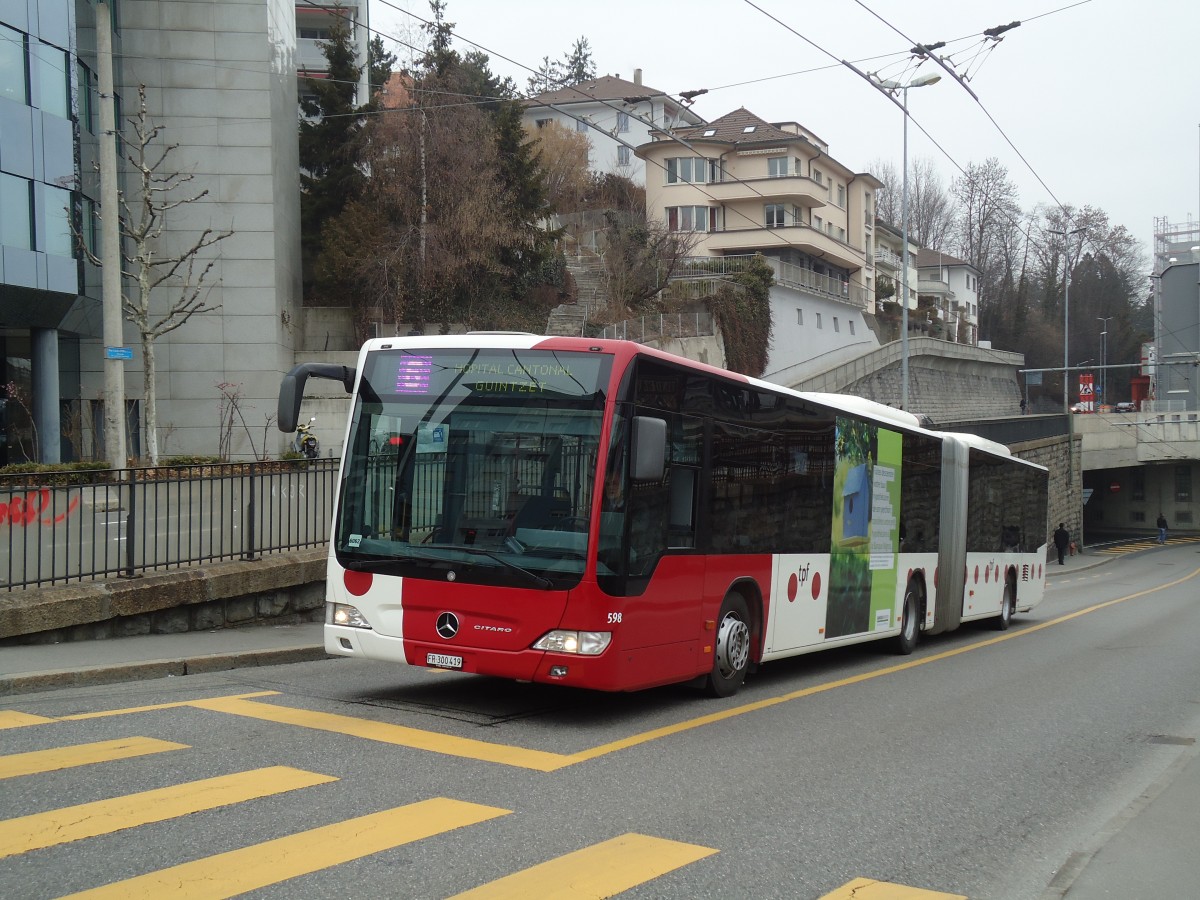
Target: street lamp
x=893, y=86
x=1066, y=235
x=1104, y=358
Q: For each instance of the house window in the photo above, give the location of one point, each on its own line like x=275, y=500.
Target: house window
x=836, y=326
x=53, y=93
x=777, y=167
x=14, y=80
x=544, y=123
x=57, y=229
x=690, y=170
x=581, y=126
x=87, y=98
x=841, y=201
x=314, y=34
x=818, y=320
x=1183, y=484
x=624, y=156
x=776, y=213
x=817, y=176
x=799, y=316
x=691, y=218
x=16, y=212
x=816, y=221
x=622, y=122
x=91, y=225
x=850, y=322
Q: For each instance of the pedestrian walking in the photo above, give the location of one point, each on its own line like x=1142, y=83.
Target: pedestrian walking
x=1162, y=528
x=1062, y=540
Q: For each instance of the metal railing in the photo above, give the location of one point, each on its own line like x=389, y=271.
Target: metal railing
x=77, y=526
x=663, y=325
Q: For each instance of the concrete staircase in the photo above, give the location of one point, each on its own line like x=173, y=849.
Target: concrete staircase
x=569, y=319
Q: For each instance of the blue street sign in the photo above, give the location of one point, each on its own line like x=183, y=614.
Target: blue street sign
x=118, y=353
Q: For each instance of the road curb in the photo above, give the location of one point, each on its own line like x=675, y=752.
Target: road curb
x=33, y=682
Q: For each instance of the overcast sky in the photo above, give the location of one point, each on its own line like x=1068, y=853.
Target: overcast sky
x=1100, y=97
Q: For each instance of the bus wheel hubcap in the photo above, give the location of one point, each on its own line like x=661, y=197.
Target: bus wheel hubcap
x=733, y=645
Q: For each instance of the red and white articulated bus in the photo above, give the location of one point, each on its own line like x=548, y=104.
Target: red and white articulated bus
x=603, y=515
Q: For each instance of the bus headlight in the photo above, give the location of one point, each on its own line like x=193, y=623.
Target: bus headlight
x=345, y=614
x=585, y=643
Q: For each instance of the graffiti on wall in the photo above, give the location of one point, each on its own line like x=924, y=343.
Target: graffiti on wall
x=35, y=506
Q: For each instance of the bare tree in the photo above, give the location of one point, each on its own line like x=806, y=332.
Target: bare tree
x=564, y=158
x=930, y=205
x=148, y=264
x=640, y=257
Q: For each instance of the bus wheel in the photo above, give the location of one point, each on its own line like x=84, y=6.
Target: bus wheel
x=731, y=658
x=910, y=624
x=1002, y=621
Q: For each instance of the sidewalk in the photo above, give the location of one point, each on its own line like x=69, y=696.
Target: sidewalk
x=45, y=667
x=1085, y=559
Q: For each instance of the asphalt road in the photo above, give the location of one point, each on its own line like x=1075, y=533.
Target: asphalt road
x=976, y=767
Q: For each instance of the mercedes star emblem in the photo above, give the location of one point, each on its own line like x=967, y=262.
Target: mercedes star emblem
x=447, y=625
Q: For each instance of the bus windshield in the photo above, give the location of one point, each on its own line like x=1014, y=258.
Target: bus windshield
x=473, y=464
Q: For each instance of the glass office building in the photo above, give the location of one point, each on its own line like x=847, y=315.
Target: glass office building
x=48, y=301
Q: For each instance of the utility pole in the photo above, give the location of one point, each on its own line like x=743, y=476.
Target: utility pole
x=110, y=249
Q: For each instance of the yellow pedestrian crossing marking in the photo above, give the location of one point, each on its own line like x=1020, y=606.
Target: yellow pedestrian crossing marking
x=387, y=733
x=272, y=862
x=601, y=870
x=1145, y=544
x=11, y=718
x=38, y=761
x=73, y=823
x=869, y=889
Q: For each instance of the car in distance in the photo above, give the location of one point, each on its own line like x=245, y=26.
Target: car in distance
x=1126, y=406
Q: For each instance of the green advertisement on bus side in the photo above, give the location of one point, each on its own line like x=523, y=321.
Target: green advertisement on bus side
x=866, y=530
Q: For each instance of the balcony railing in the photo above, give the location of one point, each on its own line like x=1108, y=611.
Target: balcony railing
x=886, y=257
x=786, y=274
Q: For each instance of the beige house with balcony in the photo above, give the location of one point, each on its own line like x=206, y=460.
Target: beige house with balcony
x=745, y=186
x=889, y=267
x=948, y=295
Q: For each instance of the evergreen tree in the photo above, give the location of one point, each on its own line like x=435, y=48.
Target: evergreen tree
x=575, y=67
x=329, y=174
x=578, y=65
x=380, y=65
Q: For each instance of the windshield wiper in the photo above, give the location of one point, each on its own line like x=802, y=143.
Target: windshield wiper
x=539, y=580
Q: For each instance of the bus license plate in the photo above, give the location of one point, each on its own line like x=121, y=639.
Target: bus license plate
x=443, y=661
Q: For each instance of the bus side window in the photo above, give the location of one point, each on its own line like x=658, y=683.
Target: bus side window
x=681, y=521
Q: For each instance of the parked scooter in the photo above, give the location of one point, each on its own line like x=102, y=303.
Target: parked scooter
x=305, y=441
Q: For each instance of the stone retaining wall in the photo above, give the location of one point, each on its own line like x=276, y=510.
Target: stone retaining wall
x=283, y=588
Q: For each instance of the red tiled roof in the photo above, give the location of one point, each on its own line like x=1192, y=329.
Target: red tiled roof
x=606, y=87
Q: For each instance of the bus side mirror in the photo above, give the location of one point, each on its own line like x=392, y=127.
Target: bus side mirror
x=291, y=389
x=649, y=448
x=291, y=392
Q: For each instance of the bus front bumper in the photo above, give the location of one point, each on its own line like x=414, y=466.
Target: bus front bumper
x=594, y=672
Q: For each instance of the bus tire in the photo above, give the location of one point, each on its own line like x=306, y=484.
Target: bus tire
x=1007, y=605
x=731, y=654
x=910, y=620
